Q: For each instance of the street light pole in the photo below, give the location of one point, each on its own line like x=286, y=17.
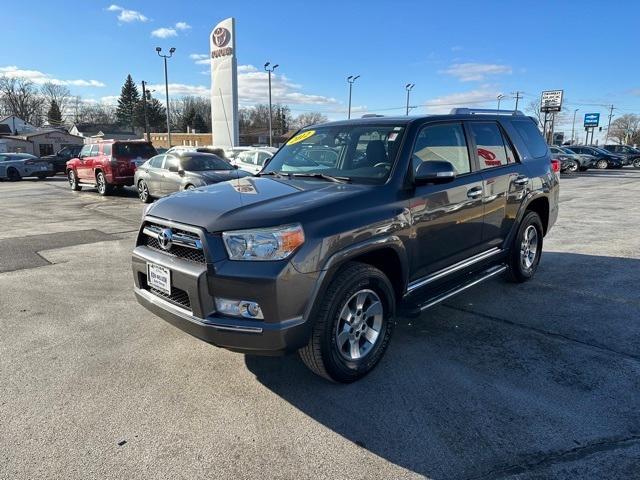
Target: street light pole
x=144, y=107
x=499, y=97
x=573, y=127
x=351, y=79
x=270, y=70
x=409, y=86
x=166, y=88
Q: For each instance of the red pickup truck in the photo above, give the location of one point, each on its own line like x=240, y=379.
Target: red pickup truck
x=107, y=164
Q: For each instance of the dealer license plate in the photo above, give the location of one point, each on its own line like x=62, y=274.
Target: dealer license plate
x=159, y=277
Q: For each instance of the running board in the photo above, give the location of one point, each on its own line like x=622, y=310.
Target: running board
x=91, y=185
x=441, y=297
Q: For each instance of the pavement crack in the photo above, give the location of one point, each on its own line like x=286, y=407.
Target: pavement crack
x=544, y=332
x=570, y=455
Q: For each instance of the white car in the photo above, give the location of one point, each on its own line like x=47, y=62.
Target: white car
x=254, y=159
x=14, y=166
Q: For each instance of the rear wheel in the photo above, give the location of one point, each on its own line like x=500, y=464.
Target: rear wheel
x=602, y=164
x=73, y=181
x=526, y=249
x=189, y=187
x=573, y=166
x=13, y=175
x=636, y=163
x=352, y=325
x=583, y=169
x=143, y=192
x=101, y=182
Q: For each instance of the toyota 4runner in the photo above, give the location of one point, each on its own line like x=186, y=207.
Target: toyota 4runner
x=350, y=224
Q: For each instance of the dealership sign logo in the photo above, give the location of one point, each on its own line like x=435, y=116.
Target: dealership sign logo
x=165, y=238
x=221, y=37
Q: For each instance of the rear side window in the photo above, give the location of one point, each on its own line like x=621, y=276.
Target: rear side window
x=247, y=157
x=442, y=142
x=491, y=146
x=137, y=149
x=106, y=149
x=531, y=136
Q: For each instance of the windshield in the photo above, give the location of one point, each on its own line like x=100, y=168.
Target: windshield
x=358, y=152
x=205, y=161
x=137, y=149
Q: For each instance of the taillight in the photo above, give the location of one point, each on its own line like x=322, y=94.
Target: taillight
x=555, y=165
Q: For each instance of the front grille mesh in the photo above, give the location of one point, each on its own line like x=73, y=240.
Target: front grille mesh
x=178, y=297
x=177, y=251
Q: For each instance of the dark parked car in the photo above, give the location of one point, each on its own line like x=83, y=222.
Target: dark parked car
x=320, y=258
x=572, y=162
x=166, y=174
x=60, y=159
x=14, y=166
x=630, y=154
x=603, y=159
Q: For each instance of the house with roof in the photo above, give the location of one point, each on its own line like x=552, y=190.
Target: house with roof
x=17, y=125
x=40, y=142
x=102, y=131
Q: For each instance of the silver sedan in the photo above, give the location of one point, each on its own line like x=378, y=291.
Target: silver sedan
x=14, y=166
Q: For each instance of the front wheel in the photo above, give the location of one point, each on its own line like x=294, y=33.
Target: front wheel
x=573, y=166
x=352, y=324
x=636, y=163
x=103, y=187
x=143, y=192
x=73, y=181
x=13, y=175
x=602, y=164
x=526, y=249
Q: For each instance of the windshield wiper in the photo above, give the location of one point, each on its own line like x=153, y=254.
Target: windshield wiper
x=322, y=176
x=274, y=173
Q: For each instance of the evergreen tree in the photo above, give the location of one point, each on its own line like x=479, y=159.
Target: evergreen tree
x=156, y=115
x=54, y=116
x=198, y=124
x=129, y=98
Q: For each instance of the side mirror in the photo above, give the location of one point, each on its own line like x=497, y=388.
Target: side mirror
x=436, y=171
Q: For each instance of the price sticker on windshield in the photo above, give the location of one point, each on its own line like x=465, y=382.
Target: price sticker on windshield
x=301, y=137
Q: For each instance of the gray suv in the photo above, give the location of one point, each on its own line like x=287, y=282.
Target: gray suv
x=350, y=224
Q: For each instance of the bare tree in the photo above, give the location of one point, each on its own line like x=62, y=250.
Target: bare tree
x=52, y=92
x=309, y=118
x=625, y=129
x=21, y=98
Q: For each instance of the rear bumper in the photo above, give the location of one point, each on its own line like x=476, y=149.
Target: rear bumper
x=117, y=180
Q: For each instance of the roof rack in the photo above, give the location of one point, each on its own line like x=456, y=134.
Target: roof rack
x=484, y=111
x=372, y=115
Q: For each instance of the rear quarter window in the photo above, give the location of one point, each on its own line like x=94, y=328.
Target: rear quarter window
x=532, y=137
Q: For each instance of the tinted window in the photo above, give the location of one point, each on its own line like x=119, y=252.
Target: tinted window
x=85, y=151
x=532, y=137
x=442, y=142
x=156, y=162
x=106, y=149
x=137, y=149
x=94, y=150
x=262, y=156
x=490, y=145
x=196, y=163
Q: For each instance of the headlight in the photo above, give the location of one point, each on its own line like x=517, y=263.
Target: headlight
x=263, y=243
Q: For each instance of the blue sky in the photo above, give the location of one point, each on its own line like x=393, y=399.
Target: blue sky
x=454, y=51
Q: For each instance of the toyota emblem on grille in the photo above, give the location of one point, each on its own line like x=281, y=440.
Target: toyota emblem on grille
x=164, y=238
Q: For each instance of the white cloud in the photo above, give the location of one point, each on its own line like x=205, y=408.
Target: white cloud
x=253, y=88
x=469, y=72
x=127, y=16
x=164, y=33
x=200, y=58
x=183, y=26
x=472, y=98
x=39, y=77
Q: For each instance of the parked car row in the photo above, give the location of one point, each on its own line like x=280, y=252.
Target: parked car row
x=582, y=157
x=14, y=166
x=251, y=159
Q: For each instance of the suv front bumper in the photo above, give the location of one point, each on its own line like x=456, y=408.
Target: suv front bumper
x=283, y=297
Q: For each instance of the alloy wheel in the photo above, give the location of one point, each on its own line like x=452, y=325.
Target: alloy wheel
x=102, y=184
x=529, y=247
x=359, y=326
x=143, y=190
x=602, y=164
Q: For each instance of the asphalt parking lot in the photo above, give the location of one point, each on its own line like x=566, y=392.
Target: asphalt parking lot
x=539, y=380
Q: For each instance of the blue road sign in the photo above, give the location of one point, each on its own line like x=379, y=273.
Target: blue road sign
x=591, y=119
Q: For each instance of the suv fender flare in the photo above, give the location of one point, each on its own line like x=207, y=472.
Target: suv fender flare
x=534, y=195
x=350, y=252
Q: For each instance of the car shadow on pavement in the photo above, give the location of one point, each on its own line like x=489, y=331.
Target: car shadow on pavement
x=502, y=380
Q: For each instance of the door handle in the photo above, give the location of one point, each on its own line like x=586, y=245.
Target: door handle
x=521, y=180
x=475, y=192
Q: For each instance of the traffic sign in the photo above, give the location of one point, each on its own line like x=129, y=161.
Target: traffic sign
x=551, y=101
x=591, y=119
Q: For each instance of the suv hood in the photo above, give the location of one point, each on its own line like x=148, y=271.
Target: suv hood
x=253, y=202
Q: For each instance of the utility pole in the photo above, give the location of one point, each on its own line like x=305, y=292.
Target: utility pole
x=606, y=137
x=573, y=127
x=144, y=108
x=270, y=71
x=351, y=79
x=409, y=86
x=518, y=96
x=166, y=89
x=499, y=97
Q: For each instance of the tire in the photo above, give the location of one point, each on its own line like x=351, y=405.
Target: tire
x=636, y=163
x=104, y=188
x=573, y=166
x=73, y=181
x=143, y=192
x=602, y=164
x=523, y=260
x=13, y=175
x=355, y=288
x=189, y=187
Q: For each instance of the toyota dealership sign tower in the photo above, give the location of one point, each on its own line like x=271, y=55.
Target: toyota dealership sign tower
x=224, y=84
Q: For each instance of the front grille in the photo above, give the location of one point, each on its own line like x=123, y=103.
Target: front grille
x=177, y=251
x=186, y=245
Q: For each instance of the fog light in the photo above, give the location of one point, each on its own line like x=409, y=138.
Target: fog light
x=239, y=308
